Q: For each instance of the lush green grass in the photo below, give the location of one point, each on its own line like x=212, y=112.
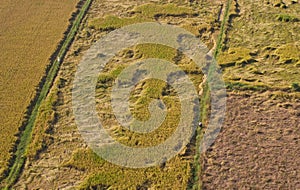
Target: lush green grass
x=223, y=29
x=196, y=184
x=245, y=86
x=20, y=156
x=295, y=87
x=39, y=137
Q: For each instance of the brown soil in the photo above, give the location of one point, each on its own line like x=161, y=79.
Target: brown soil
x=258, y=147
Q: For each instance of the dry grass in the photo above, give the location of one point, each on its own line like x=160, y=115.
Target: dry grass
x=176, y=172
x=83, y=167
x=266, y=48
x=258, y=145
x=26, y=45
x=144, y=13
x=143, y=94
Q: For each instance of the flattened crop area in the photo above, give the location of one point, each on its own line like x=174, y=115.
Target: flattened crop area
x=58, y=156
x=29, y=33
x=261, y=47
x=258, y=147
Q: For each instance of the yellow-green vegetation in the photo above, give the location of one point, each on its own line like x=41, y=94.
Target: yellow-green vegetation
x=176, y=172
x=42, y=126
x=104, y=175
x=112, y=22
x=295, y=87
x=143, y=13
x=86, y=165
x=287, y=18
x=144, y=92
x=30, y=32
x=234, y=57
x=278, y=3
x=25, y=137
x=289, y=53
x=155, y=51
x=268, y=53
x=153, y=10
x=224, y=27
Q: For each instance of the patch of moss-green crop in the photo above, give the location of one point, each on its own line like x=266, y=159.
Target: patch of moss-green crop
x=143, y=13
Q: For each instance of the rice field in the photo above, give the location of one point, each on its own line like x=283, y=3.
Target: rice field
x=258, y=51
x=30, y=32
x=56, y=128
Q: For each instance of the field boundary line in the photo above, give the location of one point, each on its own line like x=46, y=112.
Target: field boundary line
x=57, y=59
x=205, y=104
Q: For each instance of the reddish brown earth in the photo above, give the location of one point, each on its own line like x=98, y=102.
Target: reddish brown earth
x=258, y=147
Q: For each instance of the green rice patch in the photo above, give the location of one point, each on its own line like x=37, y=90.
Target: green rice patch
x=235, y=57
x=289, y=53
x=287, y=18
x=112, y=22
x=152, y=10
x=144, y=13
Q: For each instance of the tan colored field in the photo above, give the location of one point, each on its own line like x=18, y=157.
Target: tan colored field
x=29, y=33
x=59, y=158
x=258, y=146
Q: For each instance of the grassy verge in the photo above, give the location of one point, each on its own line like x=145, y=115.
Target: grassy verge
x=196, y=169
x=205, y=106
x=25, y=138
x=222, y=30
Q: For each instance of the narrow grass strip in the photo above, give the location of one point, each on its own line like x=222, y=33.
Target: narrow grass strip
x=205, y=104
x=222, y=30
x=25, y=138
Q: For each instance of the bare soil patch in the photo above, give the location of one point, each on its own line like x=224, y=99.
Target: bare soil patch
x=258, y=147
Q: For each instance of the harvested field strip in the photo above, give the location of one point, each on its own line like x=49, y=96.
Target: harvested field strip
x=258, y=145
x=20, y=157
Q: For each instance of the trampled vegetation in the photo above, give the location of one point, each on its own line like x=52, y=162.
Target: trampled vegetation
x=97, y=172
x=256, y=44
